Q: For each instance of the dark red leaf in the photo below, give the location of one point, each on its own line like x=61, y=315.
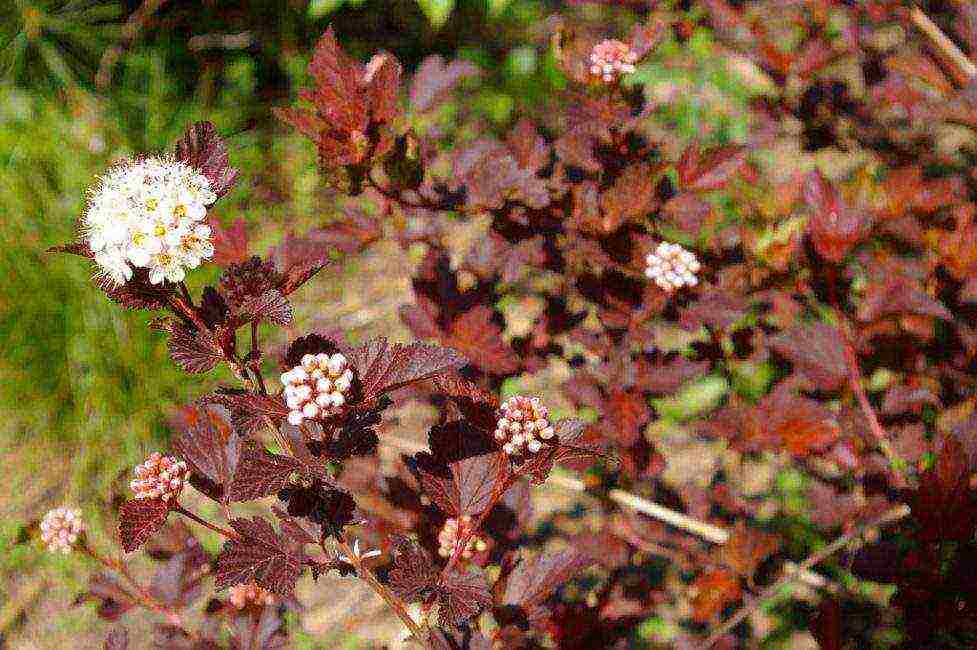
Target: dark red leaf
x=203, y=149
x=533, y=581
x=463, y=595
x=210, y=446
x=382, y=367
x=250, y=412
x=193, y=350
x=413, y=576
x=259, y=555
x=816, y=352
x=139, y=519
x=261, y=473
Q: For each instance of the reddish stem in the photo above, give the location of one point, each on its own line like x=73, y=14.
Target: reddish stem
x=229, y=534
x=140, y=594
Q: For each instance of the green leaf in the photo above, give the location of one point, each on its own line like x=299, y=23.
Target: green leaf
x=437, y=11
x=496, y=7
x=694, y=399
x=321, y=8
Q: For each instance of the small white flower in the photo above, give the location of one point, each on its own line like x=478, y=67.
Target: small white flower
x=160, y=477
x=318, y=387
x=60, y=529
x=672, y=267
x=147, y=213
x=522, y=425
x=610, y=59
x=358, y=555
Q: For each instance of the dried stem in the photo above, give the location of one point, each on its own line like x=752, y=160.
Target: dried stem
x=962, y=68
x=229, y=534
x=891, y=516
x=388, y=596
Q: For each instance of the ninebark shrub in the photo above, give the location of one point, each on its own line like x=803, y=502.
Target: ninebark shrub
x=825, y=319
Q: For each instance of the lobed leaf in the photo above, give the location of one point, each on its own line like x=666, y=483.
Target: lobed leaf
x=140, y=519
x=260, y=555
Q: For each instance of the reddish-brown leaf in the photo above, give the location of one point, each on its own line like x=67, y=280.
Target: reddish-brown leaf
x=817, y=353
x=139, y=519
x=413, y=576
x=631, y=197
x=203, y=149
x=834, y=226
x=476, y=336
x=462, y=595
x=211, y=447
x=261, y=473
x=230, y=244
x=382, y=366
x=714, y=591
x=534, y=580
x=260, y=555
x=195, y=351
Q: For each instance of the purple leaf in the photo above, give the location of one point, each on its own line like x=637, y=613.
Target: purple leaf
x=463, y=595
x=382, y=367
x=139, y=519
x=261, y=473
x=259, y=555
x=210, y=446
x=203, y=149
x=533, y=581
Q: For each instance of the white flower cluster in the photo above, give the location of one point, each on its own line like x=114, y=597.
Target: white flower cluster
x=453, y=531
x=148, y=213
x=160, y=477
x=672, y=267
x=612, y=58
x=523, y=425
x=317, y=387
x=60, y=529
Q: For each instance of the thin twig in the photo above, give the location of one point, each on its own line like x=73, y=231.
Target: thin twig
x=141, y=593
x=891, y=516
x=896, y=464
x=962, y=68
x=229, y=534
x=388, y=596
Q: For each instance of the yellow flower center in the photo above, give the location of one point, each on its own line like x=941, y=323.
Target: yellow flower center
x=159, y=230
x=180, y=211
x=152, y=204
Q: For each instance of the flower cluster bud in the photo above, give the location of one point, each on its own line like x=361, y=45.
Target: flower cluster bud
x=523, y=425
x=249, y=594
x=60, y=529
x=148, y=213
x=318, y=387
x=672, y=267
x=453, y=531
x=612, y=58
x=159, y=477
